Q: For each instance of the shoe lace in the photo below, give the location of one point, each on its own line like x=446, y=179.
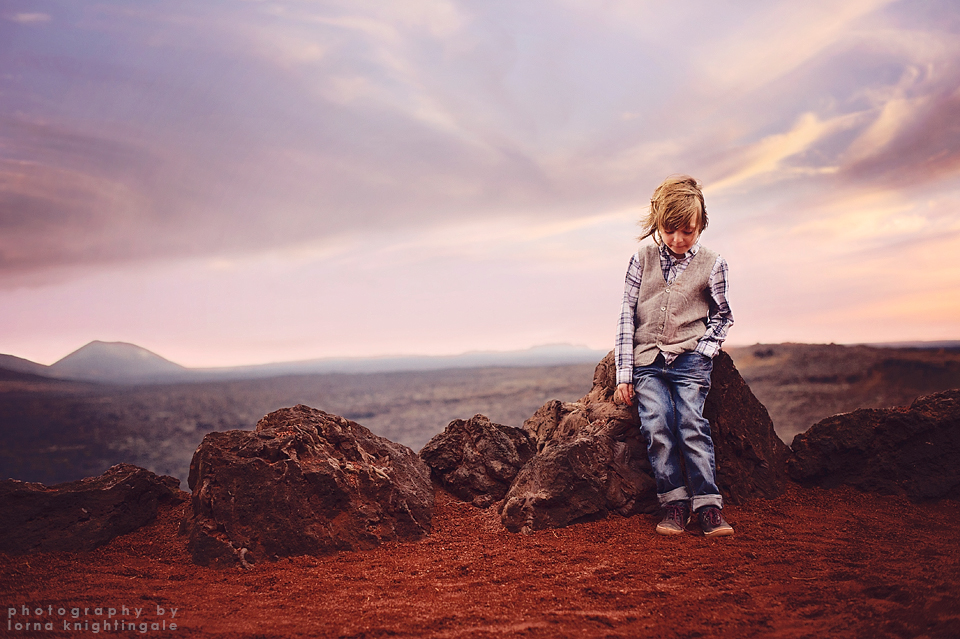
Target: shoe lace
x=676, y=513
x=712, y=516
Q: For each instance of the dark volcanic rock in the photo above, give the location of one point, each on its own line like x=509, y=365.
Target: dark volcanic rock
x=912, y=451
x=81, y=515
x=304, y=483
x=476, y=460
x=592, y=459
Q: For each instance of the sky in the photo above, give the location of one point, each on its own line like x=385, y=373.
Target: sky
x=245, y=181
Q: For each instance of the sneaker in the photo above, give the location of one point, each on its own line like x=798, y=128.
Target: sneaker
x=712, y=522
x=675, y=518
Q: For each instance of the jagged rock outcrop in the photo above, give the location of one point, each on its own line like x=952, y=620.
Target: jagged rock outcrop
x=751, y=458
x=305, y=482
x=84, y=514
x=476, y=459
x=912, y=451
x=592, y=459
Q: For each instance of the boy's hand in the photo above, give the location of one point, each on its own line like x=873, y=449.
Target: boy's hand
x=624, y=393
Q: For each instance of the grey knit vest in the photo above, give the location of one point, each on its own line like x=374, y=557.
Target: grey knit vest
x=671, y=318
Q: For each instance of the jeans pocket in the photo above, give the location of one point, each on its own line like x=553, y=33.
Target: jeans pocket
x=707, y=362
x=699, y=364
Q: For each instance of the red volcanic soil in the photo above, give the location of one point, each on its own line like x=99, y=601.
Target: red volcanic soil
x=814, y=563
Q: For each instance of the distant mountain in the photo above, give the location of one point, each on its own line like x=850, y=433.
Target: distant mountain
x=115, y=362
x=20, y=365
x=951, y=345
x=123, y=363
x=9, y=375
x=547, y=355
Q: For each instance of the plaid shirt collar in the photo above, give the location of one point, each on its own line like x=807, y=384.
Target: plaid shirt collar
x=673, y=266
x=665, y=253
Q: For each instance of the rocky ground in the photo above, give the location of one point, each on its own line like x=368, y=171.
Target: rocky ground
x=812, y=563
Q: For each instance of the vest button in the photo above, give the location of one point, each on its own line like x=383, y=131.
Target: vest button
x=663, y=308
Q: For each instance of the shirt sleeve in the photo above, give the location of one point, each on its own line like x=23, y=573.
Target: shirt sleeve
x=623, y=352
x=721, y=316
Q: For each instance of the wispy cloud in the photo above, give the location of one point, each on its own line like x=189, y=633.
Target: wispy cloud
x=28, y=18
x=768, y=155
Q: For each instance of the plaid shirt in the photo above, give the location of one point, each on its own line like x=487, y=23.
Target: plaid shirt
x=718, y=322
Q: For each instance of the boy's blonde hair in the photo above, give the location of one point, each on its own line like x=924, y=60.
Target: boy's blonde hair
x=676, y=204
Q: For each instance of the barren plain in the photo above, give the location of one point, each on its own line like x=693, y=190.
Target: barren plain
x=55, y=431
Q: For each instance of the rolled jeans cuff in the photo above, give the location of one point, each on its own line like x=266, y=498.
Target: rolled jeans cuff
x=677, y=494
x=699, y=501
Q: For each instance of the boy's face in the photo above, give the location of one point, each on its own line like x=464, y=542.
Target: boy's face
x=679, y=241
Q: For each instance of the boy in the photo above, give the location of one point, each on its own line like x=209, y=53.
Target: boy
x=674, y=318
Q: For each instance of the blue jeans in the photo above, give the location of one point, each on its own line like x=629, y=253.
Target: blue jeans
x=670, y=402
